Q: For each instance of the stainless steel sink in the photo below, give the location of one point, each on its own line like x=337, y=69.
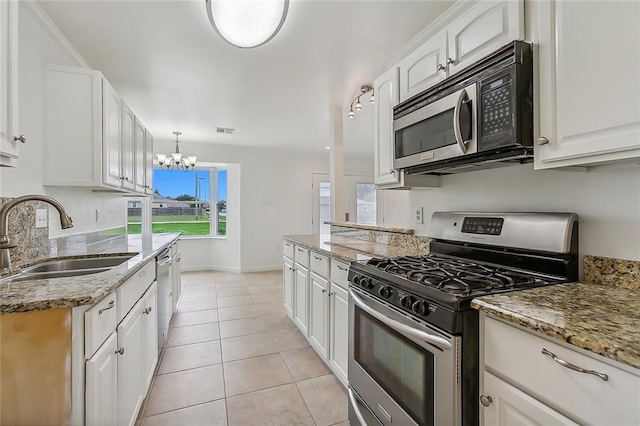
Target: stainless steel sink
x=70, y=267
x=78, y=264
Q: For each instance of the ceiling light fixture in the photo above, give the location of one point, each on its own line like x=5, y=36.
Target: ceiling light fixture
x=247, y=23
x=363, y=90
x=176, y=161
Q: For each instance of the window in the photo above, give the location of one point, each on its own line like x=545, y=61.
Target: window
x=193, y=202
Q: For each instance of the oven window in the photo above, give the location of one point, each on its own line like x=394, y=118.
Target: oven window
x=402, y=368
x=432, y=133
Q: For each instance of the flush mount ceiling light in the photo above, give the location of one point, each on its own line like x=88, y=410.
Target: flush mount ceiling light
x=247, y=23
x=176, y=161
x=363, y=90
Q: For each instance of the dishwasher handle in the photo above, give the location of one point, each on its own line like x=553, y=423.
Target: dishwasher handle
x=164, y=258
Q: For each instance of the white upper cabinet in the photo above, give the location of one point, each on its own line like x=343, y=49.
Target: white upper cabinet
x=424, y=67
x=386, y=90
x=481, y=29
x=140, y=158
x=468, y=36
x=92, y=137
x=589, y=63
x=9, y=136
x=127, y=148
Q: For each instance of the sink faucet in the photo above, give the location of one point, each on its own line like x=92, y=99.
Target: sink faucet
x=5, y=241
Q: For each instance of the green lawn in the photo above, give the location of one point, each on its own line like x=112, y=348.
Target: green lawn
x=172, y=218
x=187, y=228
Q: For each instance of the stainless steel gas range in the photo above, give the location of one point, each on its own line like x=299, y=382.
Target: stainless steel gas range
x=413, y=337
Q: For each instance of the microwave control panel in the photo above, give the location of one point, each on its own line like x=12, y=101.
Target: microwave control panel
x=482, y=225
x=497, y=106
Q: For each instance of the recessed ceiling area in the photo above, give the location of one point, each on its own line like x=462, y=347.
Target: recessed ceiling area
x=176, y=73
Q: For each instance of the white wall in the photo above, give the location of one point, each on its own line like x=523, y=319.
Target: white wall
x=275, y=200
x=608, y=202
x=37, y=48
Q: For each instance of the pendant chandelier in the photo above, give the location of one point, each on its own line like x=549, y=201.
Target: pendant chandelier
x=176, y=161
x=247, y=23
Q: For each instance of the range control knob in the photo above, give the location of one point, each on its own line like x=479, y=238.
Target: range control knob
x=367, y=283
x=356, y=279
x=385, y=291
x=420, y=307
x=407, y=301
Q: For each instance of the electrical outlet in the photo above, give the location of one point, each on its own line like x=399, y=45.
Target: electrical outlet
x=419, y=216
x=41, y=218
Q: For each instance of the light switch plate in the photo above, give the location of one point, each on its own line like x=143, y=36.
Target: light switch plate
x=418, y=216
x=41, y=218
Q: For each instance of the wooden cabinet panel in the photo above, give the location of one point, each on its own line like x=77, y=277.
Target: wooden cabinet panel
x=130, y=365
x=339, y=332
x=386, y=90
x=139, y=163
x=424, y=67
x=319, y=315
x=111, y=134
x=9, y=147
x=301, y=299
x=101, y=404
x=288, y=277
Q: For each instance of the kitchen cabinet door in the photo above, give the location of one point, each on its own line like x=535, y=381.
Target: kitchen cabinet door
x=424, y=67
x=101, y=394
x=589, y=63
x=148, y=163
x=127, y=148
x=9, y=147
x=301, y=301
x=176, y=276
x=288, y=277
x=139, y=135
x=130, y=365
x=319, y=315
x=510, y=406
x=150, y=336
x=481, y=29
x=339, y=332
x=111, y=135
x=386, y=90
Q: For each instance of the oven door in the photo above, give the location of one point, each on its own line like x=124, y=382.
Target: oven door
x=401, y=371
x=443, y=129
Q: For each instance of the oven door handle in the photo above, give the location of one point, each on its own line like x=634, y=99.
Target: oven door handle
x=437, y=341
x=462, y=98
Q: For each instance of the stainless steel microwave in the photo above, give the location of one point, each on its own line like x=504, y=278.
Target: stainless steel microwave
x=481, y=117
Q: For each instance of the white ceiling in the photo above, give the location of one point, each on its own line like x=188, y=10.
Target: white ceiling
x=175, y=72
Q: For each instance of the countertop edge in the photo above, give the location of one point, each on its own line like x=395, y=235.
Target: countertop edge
x=292, y=238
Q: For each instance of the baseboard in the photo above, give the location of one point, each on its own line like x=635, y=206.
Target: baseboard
x=263, y=269
x=235, y=270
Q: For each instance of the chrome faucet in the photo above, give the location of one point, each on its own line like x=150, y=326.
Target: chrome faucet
x=5, y=241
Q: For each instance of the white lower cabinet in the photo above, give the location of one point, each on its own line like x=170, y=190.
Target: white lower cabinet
x=529, y=378
x=301, y=298
x=319, y=315
x=119, y=372
x=510, y=406
x=339, y=332
x=287, y=285
x=102, y=385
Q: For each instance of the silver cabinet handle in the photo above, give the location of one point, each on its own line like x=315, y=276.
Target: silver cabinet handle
x=143, y=273
x=317, y=257
x=542, y=141
x=120, y=351
x=392, y=172
x=574, y=367
x=147, y=311
x=21, y=138
x=170, y=294
x=341, y=268
x=112, y=303
x=456, y=120
x=485, y=400
x=300, y=250
x=401, y=328
x=324, y=291
x=450, y=61
x=440, y=67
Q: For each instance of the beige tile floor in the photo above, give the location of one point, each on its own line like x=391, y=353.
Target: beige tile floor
x=233, y=357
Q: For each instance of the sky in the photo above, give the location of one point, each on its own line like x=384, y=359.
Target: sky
x=172, y=183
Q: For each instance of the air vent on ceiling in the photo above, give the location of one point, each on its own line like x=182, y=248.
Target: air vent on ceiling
x=225, y=130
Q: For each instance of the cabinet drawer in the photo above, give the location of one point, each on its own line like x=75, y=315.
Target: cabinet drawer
x=302, y=256
x=319, y=264
x=339, y=273
x=517, y=356
x=99, y=322
x=134, y=288
x=287, y=249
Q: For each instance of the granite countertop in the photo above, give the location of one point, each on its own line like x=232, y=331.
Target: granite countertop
x=599, y=318
x=353, y=225
x=36, y=295
x=349, y=249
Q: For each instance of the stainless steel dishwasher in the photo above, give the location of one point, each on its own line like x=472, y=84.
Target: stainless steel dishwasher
x=165, y=284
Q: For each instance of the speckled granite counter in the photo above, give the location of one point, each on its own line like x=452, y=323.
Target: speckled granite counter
x=352, y=225
x=601, y=319
x=349, y=249
x=36, y=295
